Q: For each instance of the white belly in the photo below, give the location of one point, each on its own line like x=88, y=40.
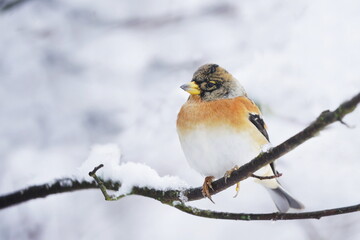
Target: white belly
x=214, y=151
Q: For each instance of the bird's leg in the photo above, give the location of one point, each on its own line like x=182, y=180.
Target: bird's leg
x=206, y=186
x=228, y=173
x=237, y=189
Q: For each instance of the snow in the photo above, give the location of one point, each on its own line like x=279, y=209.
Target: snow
x=129, y=174
x=78, y=74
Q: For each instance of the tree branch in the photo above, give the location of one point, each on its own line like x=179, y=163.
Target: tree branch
x=237, y=216
x=266, y=216
x=175, y=197
x=58, y=186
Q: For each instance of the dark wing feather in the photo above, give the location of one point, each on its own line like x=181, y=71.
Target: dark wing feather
x=260, y=125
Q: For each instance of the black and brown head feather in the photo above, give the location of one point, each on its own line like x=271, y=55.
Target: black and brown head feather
x=216, y=83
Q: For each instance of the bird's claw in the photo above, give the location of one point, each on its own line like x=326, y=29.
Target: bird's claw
x=207, y=186
x=228, y=173
x=237, y=189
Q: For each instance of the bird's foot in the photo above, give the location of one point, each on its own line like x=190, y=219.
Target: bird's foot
x=228, y=173
x=207, y=186
x=237, y=189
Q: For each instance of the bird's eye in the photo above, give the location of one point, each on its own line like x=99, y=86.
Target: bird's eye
x=210, y=84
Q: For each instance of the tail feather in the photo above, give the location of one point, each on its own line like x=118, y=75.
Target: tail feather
x=283, y=200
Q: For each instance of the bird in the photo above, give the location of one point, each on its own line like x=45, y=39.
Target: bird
x=220, y=128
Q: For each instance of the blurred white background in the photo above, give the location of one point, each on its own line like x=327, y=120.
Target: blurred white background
x=78, y=73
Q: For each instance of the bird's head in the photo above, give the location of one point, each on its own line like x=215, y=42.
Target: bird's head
x=212, y=82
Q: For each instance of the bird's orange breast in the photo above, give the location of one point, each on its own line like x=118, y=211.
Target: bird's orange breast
x=232, y=112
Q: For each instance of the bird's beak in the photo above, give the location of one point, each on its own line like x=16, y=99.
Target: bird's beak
x=191, y=88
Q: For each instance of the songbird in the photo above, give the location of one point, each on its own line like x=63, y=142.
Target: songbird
x=220, y=128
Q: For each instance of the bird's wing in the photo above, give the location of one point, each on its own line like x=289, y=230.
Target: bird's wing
x=254, y=116
x=256, y=119
x=259, y=123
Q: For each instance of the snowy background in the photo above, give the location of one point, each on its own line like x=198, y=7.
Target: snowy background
x=78, y=73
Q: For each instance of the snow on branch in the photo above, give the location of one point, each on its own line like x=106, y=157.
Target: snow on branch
x=62, y=185
x=174, y=192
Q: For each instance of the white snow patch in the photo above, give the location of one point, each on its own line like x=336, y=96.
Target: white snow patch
x=174, y=203
x=129, y=174
x=182, y=197
x=67, y=182
x=266, y=147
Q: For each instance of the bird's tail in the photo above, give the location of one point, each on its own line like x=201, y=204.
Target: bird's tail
x=283, y=200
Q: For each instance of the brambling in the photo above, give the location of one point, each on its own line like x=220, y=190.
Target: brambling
x=219, y=128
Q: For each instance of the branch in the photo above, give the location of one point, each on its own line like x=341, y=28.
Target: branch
x=277, y=175
x=237, y=216
x=171, y=196
x=266, y=216
x=58, y=186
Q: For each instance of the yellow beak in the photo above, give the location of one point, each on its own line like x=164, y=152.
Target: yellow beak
x=191, y=88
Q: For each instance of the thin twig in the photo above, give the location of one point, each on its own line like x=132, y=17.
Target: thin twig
x=266, y=216
x=277, y=175
x=101, y=185
x=345, y=124
x=93, y=172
